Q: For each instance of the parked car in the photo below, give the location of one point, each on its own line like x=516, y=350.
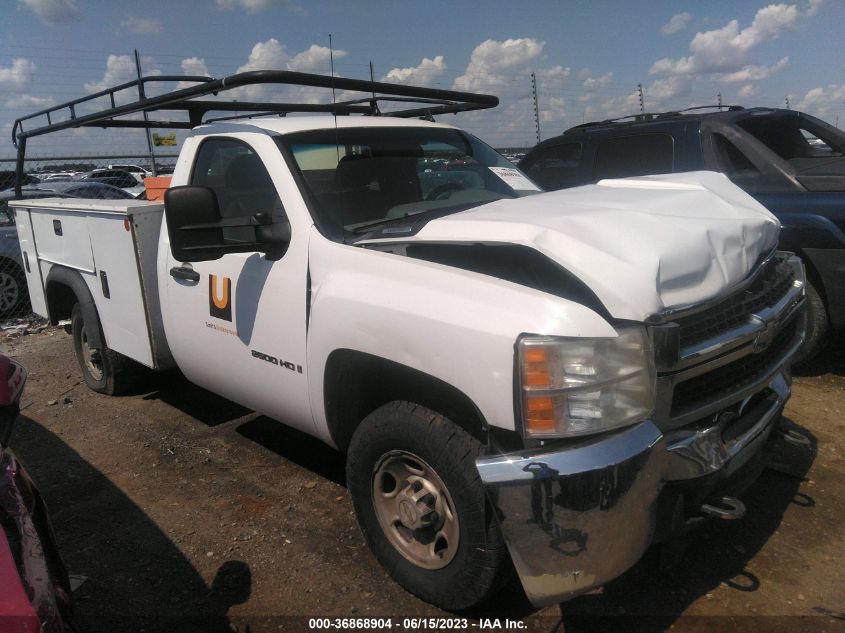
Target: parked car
x=59, y=175
x=90, y=189
x=116, y=178
x=137, y=171
x=7, y=179
x=791, y=162
x=13, y=293
x=34, y=586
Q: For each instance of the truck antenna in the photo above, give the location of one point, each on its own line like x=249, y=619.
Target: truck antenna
x=331, y=62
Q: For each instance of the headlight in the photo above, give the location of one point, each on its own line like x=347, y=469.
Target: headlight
x=577, y=386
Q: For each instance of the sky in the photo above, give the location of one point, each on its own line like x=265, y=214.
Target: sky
x=587, y=56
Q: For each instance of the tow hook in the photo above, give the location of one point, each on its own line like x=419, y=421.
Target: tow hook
x=729, y=509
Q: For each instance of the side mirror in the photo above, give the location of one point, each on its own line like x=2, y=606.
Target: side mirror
x=197, y=234
x=192, y=216
x=274, y=236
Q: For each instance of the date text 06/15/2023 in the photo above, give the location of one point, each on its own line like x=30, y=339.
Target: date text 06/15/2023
x=415, y=624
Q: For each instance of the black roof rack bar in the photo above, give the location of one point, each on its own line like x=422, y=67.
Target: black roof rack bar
x=651, y=116
x=728, y=108
x=108, y=92
x=448, y=101
x=453, y=101
x=196, y=110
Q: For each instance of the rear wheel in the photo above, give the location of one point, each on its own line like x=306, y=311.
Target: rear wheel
x=421, y=505
x=105, y=371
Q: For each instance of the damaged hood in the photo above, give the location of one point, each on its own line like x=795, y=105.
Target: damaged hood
x=642, y=245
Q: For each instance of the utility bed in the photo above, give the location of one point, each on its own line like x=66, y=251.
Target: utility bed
x=119, y=268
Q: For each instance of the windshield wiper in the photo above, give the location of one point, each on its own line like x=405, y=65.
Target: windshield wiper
x=365, y=228
x=427, y=214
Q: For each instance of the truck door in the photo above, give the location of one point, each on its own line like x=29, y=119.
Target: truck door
x=237, y=325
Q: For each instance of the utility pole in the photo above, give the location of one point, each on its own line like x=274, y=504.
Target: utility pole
x=642, y=99
x=536, y=105
x=142, y=96
x=787, y=102
x=719, y=97
x=372, y=79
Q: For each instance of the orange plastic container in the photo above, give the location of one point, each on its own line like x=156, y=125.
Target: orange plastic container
x=156, y=187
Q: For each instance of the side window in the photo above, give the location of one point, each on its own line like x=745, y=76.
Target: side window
x=243, y=187
x=731, y=159
x=634, y=156
x=555, y=167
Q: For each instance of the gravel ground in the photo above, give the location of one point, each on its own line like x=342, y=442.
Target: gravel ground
x=183, y=511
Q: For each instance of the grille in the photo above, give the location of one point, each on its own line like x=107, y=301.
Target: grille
x=731, y=378
x=771, y=284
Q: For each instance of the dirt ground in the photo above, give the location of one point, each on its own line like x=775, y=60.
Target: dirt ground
x=186, y=512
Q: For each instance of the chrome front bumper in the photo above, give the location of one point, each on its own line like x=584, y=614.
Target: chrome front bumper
x=577, y=517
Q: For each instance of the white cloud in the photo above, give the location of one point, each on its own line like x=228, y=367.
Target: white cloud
x=822, y=101
x=592, y=84
x=727, y=51
x=265, y=56
x=315, y=59
x=52, y=11
x=813, y=7
x=142, y=25
x=662, y=92
x=29, y=101
x=555, y=74
x=119, y=69
x=754, y=72
x=193, y=66
x=272, y=55
x=257, y=6
x=424, y=74
x=18, y=75
x=746, y=92
x=661, y=95
x=618, y=106
x=491, y=61
x=503, y=68
x=676, y=23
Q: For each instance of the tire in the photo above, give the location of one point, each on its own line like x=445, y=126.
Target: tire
x=13, y=292
x=817, y=327
x=104, y=370
x=400, y=438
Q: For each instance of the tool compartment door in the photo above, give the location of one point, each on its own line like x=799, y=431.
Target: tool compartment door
x=31, y=264
x=116, y=286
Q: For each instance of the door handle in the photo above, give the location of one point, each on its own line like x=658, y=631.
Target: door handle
x=186, y=273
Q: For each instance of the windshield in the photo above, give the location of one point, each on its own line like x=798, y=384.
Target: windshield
x=360, y=178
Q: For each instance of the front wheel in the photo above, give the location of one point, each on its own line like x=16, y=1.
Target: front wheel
x=421, y=505
x=104, y=370
x=817, y=327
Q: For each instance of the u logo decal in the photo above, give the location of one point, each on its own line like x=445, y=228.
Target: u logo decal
x=220, y=299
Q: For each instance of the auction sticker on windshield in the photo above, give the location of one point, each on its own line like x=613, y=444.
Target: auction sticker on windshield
x=514, y=178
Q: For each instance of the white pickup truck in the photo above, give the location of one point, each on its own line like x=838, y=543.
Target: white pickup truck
x=561, y=379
